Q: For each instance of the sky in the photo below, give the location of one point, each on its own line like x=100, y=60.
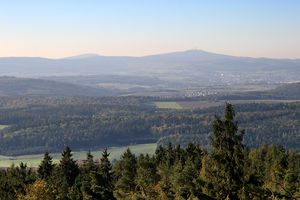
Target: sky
x=62, y=28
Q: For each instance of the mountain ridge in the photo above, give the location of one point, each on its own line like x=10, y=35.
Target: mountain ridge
x=87, y=55
x=192, y=65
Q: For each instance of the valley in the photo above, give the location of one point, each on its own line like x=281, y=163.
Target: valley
x=34, y=125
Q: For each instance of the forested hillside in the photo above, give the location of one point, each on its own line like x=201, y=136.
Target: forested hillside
x=12, y=86
x=229, y=171
x=285, y=92
x=35, y=125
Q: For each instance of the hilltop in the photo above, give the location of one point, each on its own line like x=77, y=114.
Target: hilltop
x=12, y=86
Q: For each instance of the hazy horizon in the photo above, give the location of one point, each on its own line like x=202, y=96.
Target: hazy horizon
x=58, y=29
x=154, y=54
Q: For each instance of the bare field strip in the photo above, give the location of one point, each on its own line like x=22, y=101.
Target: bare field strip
x=167, y=104
x=3, y=126
x=198, y=104
x=208, y=104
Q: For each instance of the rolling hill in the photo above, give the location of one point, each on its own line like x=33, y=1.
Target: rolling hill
x=188, y=66
x=12, y=86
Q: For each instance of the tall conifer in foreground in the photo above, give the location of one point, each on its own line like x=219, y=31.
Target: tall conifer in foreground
x=102, y=180
x=227, y=156
x=87, y=169
x=68, y=167
x=67, y=171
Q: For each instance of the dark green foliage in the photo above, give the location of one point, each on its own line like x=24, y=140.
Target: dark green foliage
x=102, y=185
x=67, y=171
x=106, y=173
x=14, y=180
x=46, y=167
x=68, y=167
x=88, y=168
x=227, y=156
x=277, y=170
x=125, y=173
x=37, y=125
x=146, y=176
x=230, y=171
x=267, y=172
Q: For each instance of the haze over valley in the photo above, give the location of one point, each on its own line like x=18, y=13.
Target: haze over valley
x=150, y=100
x=186, y=73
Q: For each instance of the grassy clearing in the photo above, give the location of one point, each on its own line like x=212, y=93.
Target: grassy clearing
x=167, y=104
x=3, y=126
x=115, y=153
x=198, y=104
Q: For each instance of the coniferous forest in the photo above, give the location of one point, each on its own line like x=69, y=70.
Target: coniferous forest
x=228, y=171
x=150, y=100
x=37, y=125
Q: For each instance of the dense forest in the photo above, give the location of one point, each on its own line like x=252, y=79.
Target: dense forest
x=229, y=171
x=33, y=87
x=284, y=92
x=36, y=125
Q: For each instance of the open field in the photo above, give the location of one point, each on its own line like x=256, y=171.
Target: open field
x=208, y=104
x=167, y=104
x=3, y=126
x=115, y=153
x=198, y=104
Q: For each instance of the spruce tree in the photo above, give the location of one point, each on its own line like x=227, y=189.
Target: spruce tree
x=228, y=156
x=125, y=172
x=67, y=173
x=87, y=170
x=105, y=168
x=102, y=180
x=68, y=167
x=146, y=177
x=46, y=167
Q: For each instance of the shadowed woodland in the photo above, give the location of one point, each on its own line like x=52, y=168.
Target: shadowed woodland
x=229, y=171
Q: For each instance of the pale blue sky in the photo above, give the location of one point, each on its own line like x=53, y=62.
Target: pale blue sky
x=59, y=28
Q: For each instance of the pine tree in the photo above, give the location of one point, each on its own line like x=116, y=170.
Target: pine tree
x=292, y=175
x=147, y=176
x=195, y=153
x=160, y=155
x=183, y=180
x=105, y=168
x=68, y=167
x=102, y=180
x=125, y=172
x=228, y=156
x=87, y=170
x=67, y=171
x=46, y=167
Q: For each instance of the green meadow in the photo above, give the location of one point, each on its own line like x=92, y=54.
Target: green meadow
x=167, y=104
x=3, y=126
x=115, y=153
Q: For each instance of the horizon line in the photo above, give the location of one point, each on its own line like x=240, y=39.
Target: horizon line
x=77, y=56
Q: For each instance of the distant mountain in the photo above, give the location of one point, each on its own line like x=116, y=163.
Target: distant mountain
x=190, y=67
x=82, y=56
x=11, y=86
x=189, y=62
